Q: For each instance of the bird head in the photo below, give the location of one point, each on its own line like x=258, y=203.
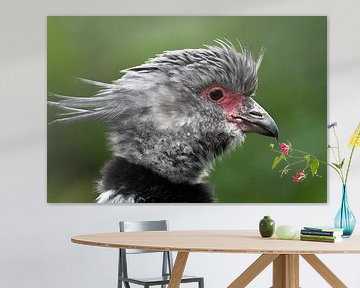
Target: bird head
x=204, y=86
x=178, y=111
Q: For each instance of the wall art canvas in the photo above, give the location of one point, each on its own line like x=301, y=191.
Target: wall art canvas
x=185, y=109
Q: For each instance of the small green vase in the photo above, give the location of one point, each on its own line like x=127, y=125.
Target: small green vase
x=267, y=227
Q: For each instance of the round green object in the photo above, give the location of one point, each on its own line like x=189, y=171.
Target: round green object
x=285, y=232
x=266, y=226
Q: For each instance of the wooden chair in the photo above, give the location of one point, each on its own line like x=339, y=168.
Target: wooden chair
x=167, y=262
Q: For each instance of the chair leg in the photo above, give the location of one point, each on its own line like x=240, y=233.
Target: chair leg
x=201, y=283
x=120, y=273
x=166, y=265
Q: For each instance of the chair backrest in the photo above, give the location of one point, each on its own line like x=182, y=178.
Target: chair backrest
x=134, y=226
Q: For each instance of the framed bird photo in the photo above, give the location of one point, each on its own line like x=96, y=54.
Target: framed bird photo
x=185, y=109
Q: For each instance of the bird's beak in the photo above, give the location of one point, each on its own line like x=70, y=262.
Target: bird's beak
x=255, y=119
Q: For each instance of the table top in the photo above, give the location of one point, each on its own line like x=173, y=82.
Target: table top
x=216, y=241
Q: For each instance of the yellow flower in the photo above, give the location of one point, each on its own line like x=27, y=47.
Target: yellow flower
x=355, y=137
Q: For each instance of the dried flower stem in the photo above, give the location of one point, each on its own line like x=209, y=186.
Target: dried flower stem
x=337, y=145
x=340, y=172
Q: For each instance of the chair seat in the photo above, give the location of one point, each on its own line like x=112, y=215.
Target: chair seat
x=158, y=280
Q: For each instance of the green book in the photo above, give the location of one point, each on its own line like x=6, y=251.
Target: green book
x=319, y=236
x=325, y=240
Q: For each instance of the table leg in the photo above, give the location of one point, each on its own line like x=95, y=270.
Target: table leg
x=178, y=269
x=253, y=270
x=324, y=271
x=286, y=271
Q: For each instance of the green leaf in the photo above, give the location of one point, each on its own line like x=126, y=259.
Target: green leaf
x=314, y=165
x=336, y=165
x=342, y=163
x=339, y=166
x=307, y=157
x=276, y=162
x=271, y=145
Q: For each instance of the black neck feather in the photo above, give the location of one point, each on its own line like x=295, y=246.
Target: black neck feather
x=144, y=185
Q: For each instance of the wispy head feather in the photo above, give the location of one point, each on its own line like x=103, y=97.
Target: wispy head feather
x=170, y=74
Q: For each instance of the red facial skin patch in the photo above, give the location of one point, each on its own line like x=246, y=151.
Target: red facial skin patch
x=230, y=102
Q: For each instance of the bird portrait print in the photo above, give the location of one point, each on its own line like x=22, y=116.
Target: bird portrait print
x=137, y=115
x=170, y=118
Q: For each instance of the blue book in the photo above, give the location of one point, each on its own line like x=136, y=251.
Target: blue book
x=322, y=231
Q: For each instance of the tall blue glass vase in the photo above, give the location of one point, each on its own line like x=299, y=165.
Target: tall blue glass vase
x=345, y=219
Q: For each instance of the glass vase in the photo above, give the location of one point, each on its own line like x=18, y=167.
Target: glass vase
x=345, y=219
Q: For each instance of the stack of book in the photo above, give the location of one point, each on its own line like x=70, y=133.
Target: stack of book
x=321, y=234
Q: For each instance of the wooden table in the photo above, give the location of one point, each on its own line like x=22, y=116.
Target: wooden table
x=284, y=254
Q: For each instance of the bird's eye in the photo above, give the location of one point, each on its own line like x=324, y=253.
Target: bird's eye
x=216, y=94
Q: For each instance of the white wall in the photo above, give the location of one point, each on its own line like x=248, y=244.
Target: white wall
x=35, y=248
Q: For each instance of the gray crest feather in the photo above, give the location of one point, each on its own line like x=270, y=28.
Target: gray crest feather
x=193, y=69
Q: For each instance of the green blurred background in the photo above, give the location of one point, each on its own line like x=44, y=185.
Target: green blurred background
x=292, y=88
